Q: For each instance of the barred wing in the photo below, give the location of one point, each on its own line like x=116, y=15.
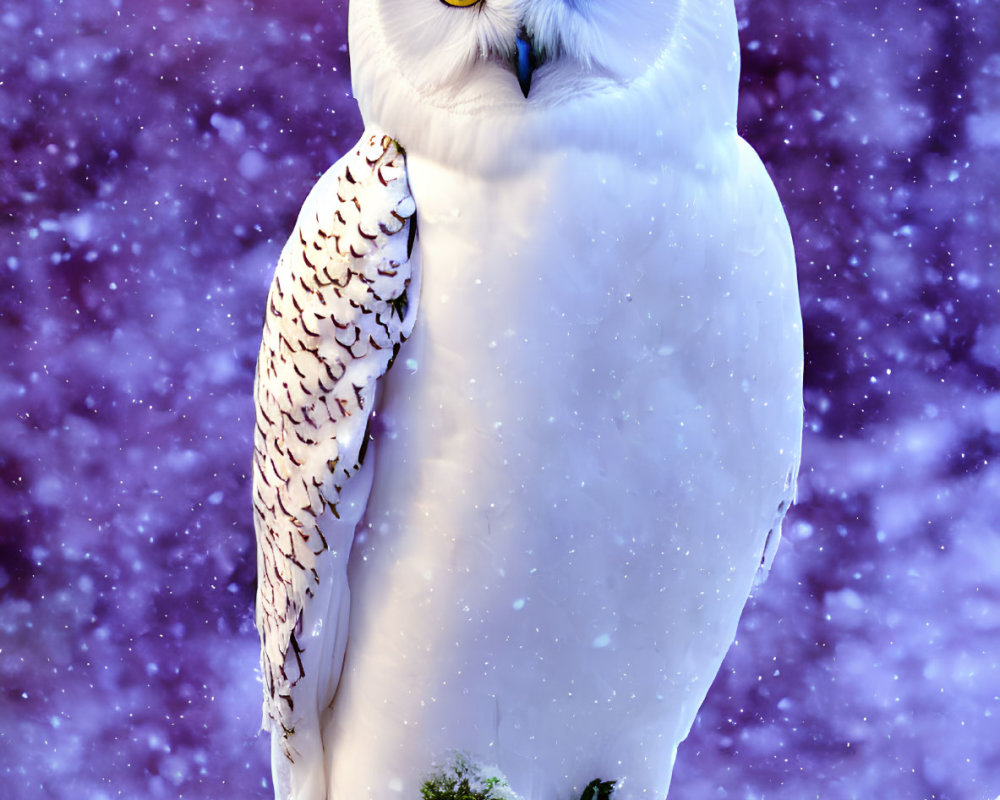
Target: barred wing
x=342, y=302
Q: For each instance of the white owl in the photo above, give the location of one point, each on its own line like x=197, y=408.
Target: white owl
x=529, y=402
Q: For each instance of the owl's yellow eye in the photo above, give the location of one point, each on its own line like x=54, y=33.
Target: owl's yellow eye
x=460, y=3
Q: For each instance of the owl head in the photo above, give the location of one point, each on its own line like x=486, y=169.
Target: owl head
x=482, y=82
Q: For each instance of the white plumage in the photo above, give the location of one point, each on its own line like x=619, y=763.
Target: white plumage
x=336, y=315
x=585, y=449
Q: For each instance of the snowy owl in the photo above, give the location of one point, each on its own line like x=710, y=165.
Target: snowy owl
x=528, y=403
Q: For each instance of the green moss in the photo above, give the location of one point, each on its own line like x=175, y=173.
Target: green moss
x=441, y=787
x=464, y=780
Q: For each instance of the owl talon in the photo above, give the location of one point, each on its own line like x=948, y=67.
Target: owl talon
x=598, y=790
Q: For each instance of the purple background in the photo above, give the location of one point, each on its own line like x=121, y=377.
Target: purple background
x=154, y=156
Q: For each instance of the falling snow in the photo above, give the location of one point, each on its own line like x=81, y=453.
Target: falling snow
x=154, y=158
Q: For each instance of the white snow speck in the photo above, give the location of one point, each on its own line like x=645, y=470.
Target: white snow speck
x=252, y=165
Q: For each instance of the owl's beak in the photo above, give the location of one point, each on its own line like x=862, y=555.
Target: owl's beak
x=523, y=65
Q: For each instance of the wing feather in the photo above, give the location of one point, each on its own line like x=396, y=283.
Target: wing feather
x=332, y=328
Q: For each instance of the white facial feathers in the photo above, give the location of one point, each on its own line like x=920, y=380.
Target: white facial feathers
x=620, y=37
x=670, y=67
x=439, y=43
